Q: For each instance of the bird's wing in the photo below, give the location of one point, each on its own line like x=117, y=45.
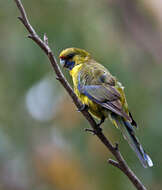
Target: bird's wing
x=98, y=89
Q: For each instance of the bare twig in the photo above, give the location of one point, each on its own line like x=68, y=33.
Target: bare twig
x=114, y=163
x=43, y=44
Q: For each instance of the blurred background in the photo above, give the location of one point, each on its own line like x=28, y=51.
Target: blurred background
x=42, y=142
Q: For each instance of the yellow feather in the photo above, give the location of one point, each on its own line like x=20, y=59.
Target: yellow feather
x=103, y=94
x=85, y=64
x=95, y=109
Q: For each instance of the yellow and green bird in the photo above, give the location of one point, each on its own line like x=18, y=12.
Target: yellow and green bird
x=103, y=95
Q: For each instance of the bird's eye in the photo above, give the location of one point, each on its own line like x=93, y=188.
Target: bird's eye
x=70, y=56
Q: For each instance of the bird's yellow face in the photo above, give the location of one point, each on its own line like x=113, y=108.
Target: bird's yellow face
x=71, y=57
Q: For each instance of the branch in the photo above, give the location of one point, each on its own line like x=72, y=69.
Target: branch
x=43, y=44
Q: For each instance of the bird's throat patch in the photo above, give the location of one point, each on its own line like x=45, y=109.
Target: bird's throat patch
x=69, y=64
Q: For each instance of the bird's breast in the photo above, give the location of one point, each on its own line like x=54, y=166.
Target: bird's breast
x=74, y=73
x=94, y=108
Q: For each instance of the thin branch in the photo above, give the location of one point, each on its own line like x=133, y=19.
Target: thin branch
x=114, y=163
x=43, y=44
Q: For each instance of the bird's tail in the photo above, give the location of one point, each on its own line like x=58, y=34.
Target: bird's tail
x=128, y=133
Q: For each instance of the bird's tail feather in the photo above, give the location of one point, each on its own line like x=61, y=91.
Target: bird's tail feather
x=129, y=135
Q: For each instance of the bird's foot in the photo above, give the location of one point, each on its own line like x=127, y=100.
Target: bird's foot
x=101, y=121
x=116, y=146
x=99, y=129
x=84, y=107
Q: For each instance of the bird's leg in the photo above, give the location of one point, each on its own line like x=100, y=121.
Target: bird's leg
x=101, y=121
x=116, y=146
x=98, y=126
x=84, y=107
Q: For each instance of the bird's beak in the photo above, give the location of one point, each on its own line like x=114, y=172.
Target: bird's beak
x=62, y=62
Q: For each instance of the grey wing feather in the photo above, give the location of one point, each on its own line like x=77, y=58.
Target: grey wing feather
x=103, y=94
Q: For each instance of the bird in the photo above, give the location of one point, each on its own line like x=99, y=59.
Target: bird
x=102, y=95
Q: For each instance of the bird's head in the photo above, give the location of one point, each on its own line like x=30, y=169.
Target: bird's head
x=71, y=57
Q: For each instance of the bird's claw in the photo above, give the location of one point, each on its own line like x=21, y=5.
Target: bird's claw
x=102, y=121
x=84, y=107
x=116, y=146
x=99, y=124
